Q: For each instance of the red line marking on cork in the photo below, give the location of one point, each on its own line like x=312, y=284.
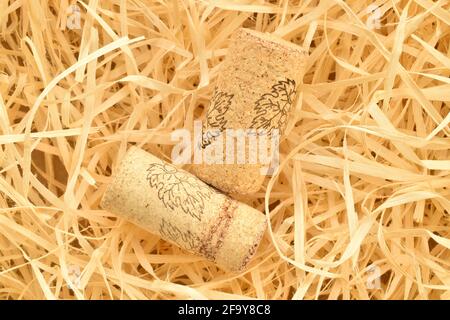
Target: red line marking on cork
x=251, y=252
x=214, y=238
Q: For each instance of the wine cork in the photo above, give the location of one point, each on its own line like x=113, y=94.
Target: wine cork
x=256, y=88
x=184, y=210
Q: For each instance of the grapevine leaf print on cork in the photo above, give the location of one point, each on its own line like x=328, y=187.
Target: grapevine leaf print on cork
x=272, y=108
x=178, y=190
x=215, y=118
x=173, y=233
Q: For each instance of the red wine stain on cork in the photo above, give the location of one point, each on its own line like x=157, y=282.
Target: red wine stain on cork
x=214, y=237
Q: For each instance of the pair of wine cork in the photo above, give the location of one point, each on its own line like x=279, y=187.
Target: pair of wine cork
x=255, y=90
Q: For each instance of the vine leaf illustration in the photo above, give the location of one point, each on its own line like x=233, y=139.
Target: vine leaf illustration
x=273, y=107
x=178, y=190
x=175, y=234
x=215, y=118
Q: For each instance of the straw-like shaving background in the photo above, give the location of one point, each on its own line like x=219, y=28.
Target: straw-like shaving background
x=363, y=190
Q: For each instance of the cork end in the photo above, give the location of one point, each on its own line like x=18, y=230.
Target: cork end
x=251, y=253
x=242, y=240
x=110, y=193
x=270, y=40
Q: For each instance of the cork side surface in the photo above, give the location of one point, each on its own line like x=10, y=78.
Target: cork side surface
x=182, y=209
x=255, y=89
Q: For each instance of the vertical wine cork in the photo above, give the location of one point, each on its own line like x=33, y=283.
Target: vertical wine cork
x=255, y=89
x=184, y=210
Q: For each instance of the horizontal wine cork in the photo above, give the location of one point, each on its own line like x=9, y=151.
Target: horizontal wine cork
x=255, y=89
x=184, y=210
